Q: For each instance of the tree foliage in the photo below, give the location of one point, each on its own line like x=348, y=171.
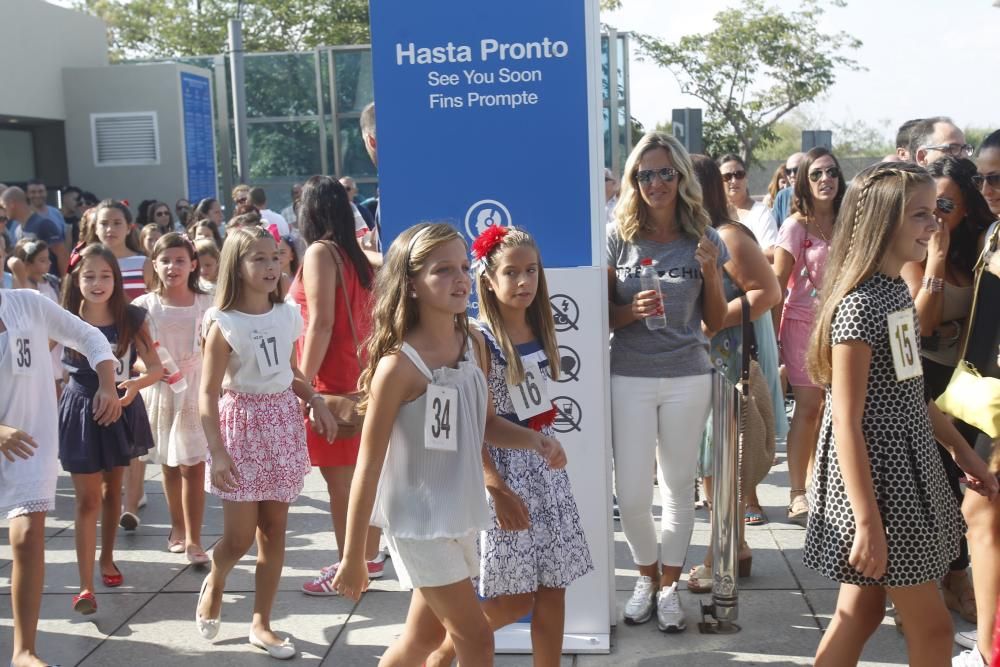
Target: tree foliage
x=755, y=67
x=169, y=28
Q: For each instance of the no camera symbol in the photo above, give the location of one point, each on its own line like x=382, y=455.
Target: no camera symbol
x=565, y=311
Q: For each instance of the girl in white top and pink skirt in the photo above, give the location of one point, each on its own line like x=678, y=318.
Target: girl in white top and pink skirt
x=256, y=437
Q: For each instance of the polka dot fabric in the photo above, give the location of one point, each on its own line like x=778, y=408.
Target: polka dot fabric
x=922, y=521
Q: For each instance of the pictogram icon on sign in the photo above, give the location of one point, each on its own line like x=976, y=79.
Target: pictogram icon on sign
x=568, y=415
x=569, y=364
x=484, y=214
x=565, y=311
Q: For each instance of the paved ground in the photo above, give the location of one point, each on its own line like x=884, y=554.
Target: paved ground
x=149, y=620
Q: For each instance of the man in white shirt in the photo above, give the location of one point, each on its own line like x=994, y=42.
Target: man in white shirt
x=259, y=199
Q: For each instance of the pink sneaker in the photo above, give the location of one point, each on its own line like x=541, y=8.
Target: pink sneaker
x=323, y=584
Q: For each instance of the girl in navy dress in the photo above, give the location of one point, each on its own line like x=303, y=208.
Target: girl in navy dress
x=96, y=455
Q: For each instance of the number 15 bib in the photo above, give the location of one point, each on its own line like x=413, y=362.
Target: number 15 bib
x=903, y=341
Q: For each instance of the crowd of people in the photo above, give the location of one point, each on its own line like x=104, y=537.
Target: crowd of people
x=239, y=354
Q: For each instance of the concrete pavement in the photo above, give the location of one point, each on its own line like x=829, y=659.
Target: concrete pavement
x=149, y=620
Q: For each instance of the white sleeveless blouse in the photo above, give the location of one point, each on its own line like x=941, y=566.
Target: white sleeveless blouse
x=431, y=494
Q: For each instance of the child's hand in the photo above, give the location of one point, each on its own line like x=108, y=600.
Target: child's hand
x=351, y=579
x=977, y=473
x=322, y=421
x=552, y=452
x=870, y=552
x=107, y=405
x=16, y=443
x=512, y=513
x=131, y=391
x=224, y=475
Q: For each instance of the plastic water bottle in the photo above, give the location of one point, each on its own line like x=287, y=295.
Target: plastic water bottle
x=649, y=279
x=171, y=373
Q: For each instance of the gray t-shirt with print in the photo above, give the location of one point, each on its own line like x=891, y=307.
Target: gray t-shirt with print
x=680, y=349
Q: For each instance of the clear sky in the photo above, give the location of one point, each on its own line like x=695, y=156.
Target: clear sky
x=924, y=58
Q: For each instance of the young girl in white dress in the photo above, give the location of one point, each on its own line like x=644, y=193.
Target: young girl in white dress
x=427, y=409
x=29, y=438
x=34, y=257
x=176, y=308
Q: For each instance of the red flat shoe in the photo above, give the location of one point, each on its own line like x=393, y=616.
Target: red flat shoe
x=113, y=580
x=85, y=603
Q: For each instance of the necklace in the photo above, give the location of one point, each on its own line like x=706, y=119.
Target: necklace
x=819, y=230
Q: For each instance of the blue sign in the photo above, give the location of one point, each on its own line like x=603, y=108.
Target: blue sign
x=483, y=119
x=199, y=137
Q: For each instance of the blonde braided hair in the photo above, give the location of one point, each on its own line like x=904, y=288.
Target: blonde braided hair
x=872, y=211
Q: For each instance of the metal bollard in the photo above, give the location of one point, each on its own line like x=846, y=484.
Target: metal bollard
x=719, y=616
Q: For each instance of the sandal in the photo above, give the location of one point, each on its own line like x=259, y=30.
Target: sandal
x=700, y=577
x=85, y=603
x=754, y=516
x=798, y=509
x=113, y=580
x=959, y=596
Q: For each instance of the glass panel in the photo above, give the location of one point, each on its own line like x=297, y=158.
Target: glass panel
x=606, y=133
x=281, y=85
x=289, y=149
x=605, y=71
x=354, y=80
x=352, y=150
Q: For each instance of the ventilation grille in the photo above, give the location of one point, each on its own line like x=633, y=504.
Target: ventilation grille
x=125, y=139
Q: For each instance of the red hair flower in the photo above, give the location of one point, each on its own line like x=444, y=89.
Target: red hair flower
x=488, y=240
x=541, y=420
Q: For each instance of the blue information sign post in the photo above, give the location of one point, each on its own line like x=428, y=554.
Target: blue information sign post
x=488, y=114
x=199, y=137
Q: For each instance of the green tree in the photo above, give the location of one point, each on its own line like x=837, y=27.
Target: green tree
x=168, y=28
x=754, y=68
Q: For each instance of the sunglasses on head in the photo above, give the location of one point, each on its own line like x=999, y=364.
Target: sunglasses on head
x=738, y=175
x=666, y=174
x=993, y=180
x=830, y=172
x=944, y=205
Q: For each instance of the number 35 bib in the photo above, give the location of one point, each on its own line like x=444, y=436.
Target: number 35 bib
x=903, y=341
x=22, y=351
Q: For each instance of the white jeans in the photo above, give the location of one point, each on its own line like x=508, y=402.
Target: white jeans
x=659, y=419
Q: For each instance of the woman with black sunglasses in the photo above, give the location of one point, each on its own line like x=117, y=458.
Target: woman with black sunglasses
x=753, y=215
x=800, y=257
x=942, y=290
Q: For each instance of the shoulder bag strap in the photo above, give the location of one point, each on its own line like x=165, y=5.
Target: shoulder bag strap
x=334, y=251
x=745, y=345
x=980, y=268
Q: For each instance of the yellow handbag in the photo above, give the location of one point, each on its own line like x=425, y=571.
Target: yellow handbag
x=970, y=397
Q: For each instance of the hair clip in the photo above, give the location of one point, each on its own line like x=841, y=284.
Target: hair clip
x=489, y=239
x=31, y=247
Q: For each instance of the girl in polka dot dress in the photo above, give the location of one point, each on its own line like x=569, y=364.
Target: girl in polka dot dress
x=883, y=521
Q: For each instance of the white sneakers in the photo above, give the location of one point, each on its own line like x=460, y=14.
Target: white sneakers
x=669, y=615
x=967, y=638
x=639, y=608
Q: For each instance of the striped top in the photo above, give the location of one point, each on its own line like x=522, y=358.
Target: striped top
x=131, y=268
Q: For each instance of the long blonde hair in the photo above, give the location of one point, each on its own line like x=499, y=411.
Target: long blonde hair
x=230, y=286
x=539, y=313
x=396, y=311
x=872, y=211
x=632, y=213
